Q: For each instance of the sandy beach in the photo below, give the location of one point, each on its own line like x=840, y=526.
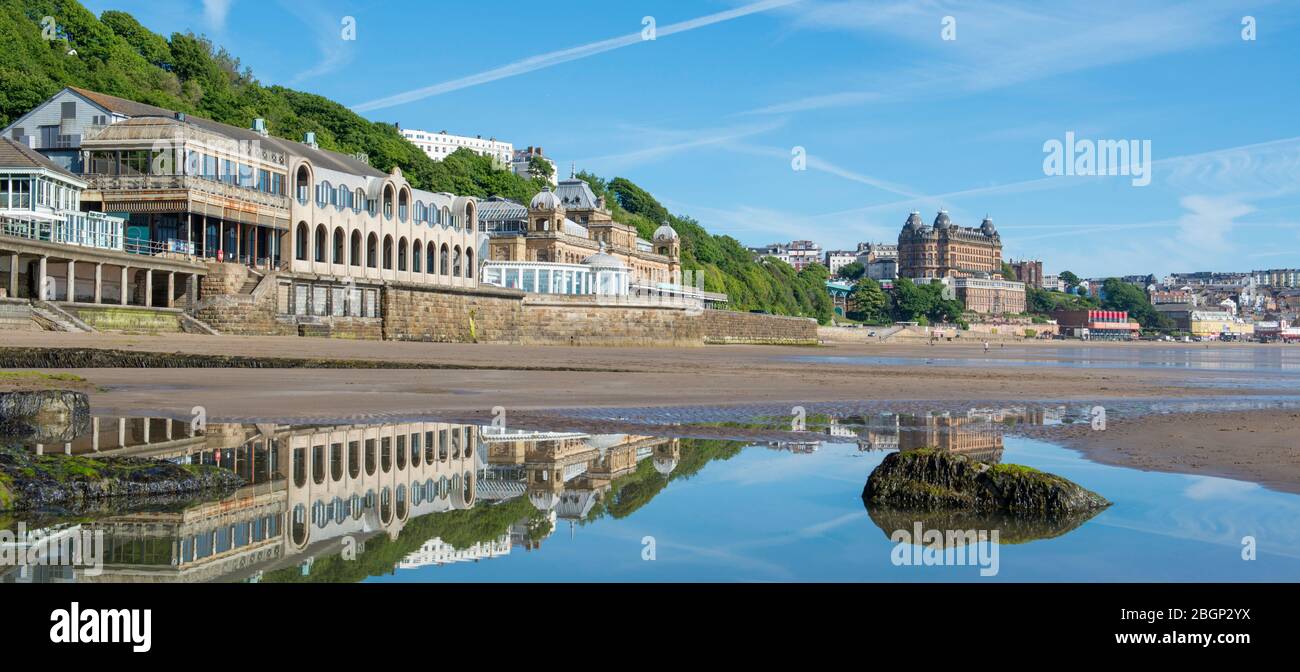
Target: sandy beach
x=1259, y=446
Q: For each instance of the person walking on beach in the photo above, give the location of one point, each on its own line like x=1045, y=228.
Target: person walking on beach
x=986, y=346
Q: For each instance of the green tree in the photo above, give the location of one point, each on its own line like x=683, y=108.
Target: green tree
x=539, y=168
x=1070, y=279
x=1120, y=295
x=867, y=301
x=852, y=270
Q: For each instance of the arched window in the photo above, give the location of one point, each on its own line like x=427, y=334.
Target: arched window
x=446, y=216
x=358, y=200
x=302, y=182
x=403, y=204
x=388, y=253
x=401, y=254
x=301, y=242
x=469, y=263
x=455, y=261
x=372, y=251
x=355, y=254
x=320, y=243
x=354, y=459
x=339, y=251
x=445, y=264
x=388, y=202
x=431, y=252
x=323, y=193
x=417, y=256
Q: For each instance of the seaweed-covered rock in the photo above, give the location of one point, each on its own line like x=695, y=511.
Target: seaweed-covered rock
x=933, y=480
x=44, y=416
x=77, y=482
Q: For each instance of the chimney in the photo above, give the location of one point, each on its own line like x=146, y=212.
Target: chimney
x=309, y=138
x=259, y=125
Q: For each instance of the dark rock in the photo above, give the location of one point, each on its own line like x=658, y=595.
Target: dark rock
x=1011, y=529
x=44, y=416
x=934, y=480
x=77, y=482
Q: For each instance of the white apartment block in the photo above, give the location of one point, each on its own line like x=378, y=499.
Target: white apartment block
x=440, y=144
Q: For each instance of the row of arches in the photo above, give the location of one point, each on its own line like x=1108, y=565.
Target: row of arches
x=380, y=454
x=386, y=502
x=397, y=200
x=401, y=255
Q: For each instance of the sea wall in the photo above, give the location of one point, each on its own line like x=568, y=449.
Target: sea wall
x=412, y=312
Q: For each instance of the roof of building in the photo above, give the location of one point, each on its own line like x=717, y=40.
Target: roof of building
x=323, y=158
x=665, y=231
x=17, y=155
x=576, y=194
x=497, y=209
x=545, y=200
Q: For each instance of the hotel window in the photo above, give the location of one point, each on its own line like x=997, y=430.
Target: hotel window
x=228, y=171
x=264, y=181
x=246, y=178
x=209, y=167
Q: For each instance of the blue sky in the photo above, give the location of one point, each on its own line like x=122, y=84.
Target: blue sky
x=892, y=116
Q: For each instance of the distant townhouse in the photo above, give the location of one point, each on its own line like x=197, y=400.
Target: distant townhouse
x=1278, y=278
x=837, y=259
x=881, y=260
x=1053, y=282
x=800, y=253
x=1029, y=272
x=521, y=164
x=441, y=144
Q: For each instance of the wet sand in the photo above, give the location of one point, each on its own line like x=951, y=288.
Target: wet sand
x=1260, y=446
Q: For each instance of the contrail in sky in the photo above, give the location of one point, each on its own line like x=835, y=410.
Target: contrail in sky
x=565, y=55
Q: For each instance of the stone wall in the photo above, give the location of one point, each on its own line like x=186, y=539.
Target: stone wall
x=356, y=328
x=128, y=318
x=451, y=315
x=16, y=315
x=223, y=308
x=727, y=327
x=569, y=320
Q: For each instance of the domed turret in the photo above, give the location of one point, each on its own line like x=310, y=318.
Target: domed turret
x=913, y=221
x=942, y=220
x=986, y=227
x=545, y=200
x=665, y=232
x=665, y=464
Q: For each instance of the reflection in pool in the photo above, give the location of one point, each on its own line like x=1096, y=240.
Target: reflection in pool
x=432, y=501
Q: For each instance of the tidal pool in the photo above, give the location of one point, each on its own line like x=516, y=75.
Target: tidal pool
x=429, y=501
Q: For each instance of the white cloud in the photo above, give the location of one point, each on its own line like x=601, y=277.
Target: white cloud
x=1209, y=220
x=215, y=13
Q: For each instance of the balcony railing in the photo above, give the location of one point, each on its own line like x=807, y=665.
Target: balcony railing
x=91, y=229
x=131, y=183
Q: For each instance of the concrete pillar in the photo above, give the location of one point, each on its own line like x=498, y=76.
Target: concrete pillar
x=147, y=422
x=99, y=283
x=125, y=296
x=171, y=289
x=192, y=290
x=121, y=432
x=94, y=434
x=148, y=287
x=13, y=276
x=72, y=281
x=40, y=281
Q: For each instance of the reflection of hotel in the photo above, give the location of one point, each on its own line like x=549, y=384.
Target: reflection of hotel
x=309, y=491
x=438, y=552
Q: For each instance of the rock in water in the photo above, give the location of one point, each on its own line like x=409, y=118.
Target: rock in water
x=45, y=416
x=933, y=480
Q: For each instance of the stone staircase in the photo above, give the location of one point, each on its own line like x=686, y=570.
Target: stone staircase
x=54, y=318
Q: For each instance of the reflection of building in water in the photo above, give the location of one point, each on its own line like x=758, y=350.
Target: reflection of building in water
x=145, y=437
x=970, y=436
x=566, y=474
x=310, y=491
x=438, y=552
